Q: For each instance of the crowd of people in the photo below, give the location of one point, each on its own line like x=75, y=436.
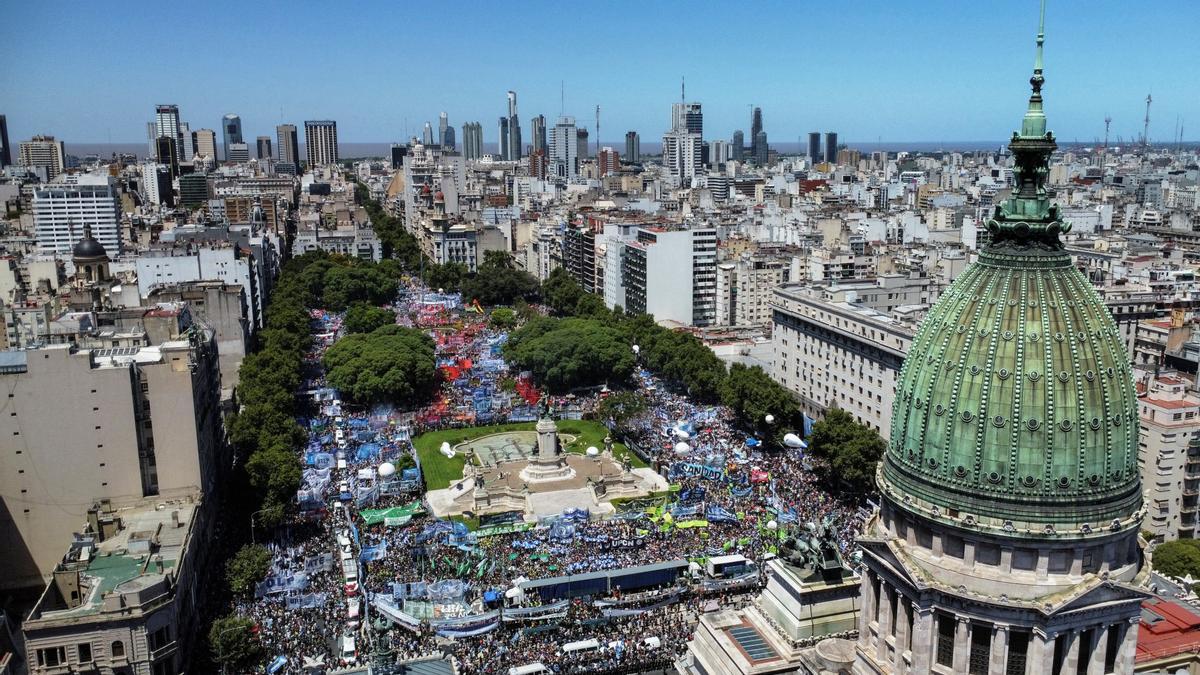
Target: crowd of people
x=739, y=495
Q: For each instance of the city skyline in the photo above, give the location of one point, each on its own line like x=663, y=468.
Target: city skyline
x=866, y=61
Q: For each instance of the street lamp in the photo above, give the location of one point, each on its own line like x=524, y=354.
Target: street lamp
x=221, y=647
x=252, y=541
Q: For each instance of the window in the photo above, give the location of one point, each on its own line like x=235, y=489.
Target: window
x=1018, y=648
x=945, y=640
x=84, y=650
x=117, y=649
x=52, y=656
x=981, y=649
x=160, y=638
x=1111, y=648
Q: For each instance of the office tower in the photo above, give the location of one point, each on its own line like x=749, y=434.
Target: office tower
x=633, y=147
x=831, y=146
x=288, y=146
x=755, y=128
x=206, y=143
x=472, y=140
x=814, y=147
x=237, y=153
x=1015, y=476
x=231, y=128
x=538, y=126
x=760, y=148
x=166, y=123
x=443, y=125
x=608, y=161
x=502, y=142
x=193, y=189
x=510, y=132
x=683, y=152
x=61, y=211
x=187, y=147
x=737, y=151
x=448, y=139
x=581, y=137
x=718, y=153
x=264, y=147
x=564, y=149
x=164, y=153
x=398, y=152
x=320, y=138
x=5, y=148
x=43, y=152
x=156, y=184
x=427, y=135
x=537, y=164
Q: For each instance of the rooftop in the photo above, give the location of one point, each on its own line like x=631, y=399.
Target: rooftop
x=1168, y=627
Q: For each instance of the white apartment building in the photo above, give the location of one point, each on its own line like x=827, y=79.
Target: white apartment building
x=61, y=211
x=837, y=354
x=564, y=149
x=682, y=154
x=744, y=289
x=320, y=138
x=43, y=152
x=671, y=274
x=1169, y=413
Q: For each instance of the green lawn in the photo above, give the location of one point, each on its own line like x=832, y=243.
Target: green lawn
x=439, y=470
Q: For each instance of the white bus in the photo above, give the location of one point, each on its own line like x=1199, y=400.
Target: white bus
x=528, y=669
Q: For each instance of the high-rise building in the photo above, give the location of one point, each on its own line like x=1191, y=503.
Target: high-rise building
x=398, y=152
x=61, y=211
x=682, y=147
x=718, y=153
x=166, y=124
x=755, y=128
x=448, y=139
x=164, y=153
x=427, y=134
x=737, y=150
x=608, y=161
x=231, y=128
x=564, y=149
x=206, y=143
x=633, y=147
x=288, y=146
x=1007, y=536
x=43, y=152
x=581, y=137
x=187, y=146
x=5, y=148
x=264, y=147
x=510, y=132
x=537, y=164
x=760, y=148
x=443, y=125
x=321, y=144
x=538, y=129
x=814, y=147
x=237, y=153
x=472, y=140
x=831, y=146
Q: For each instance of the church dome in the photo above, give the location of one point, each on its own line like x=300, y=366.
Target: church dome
x=1015, y=406
x=88, y=247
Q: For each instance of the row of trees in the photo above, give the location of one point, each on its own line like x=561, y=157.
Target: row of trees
x=389, y=364
x=592, y=344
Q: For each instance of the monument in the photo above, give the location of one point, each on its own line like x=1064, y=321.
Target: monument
x=529, y=473
x=804, y=621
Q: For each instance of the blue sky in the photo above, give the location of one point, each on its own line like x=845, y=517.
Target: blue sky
x=939, y=70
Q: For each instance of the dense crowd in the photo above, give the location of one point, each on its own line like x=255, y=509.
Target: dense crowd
x=759, y=491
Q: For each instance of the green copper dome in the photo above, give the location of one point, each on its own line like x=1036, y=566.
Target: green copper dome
x=1016, y=401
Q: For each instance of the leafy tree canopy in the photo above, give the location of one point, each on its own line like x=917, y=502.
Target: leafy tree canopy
x=246, y=568
x=392, y=364
x=364, y=318
x=568, y=353
x=850, y=450
x=232, y=641
x=1178, y=558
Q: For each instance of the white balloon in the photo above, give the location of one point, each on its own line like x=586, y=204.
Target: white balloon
x=636, y=349
x=770, y=419
x=682, y=448
x=792, y=441
x=593, y=451
x=682, y=434
x=386, y=469
x=772, y=525
x=445, y=446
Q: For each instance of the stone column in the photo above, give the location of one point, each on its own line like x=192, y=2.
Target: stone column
x=1043, y=563
x=922, y=639
x=884, y=601
x=1099, y=649
x=867, y=615
x=962, y=644
x=998, y=659
x=1128, y=645
x=1041, y=653
x=901, y=633
x=1071, y=662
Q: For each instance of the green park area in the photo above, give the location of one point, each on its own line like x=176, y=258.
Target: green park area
x=439, y=470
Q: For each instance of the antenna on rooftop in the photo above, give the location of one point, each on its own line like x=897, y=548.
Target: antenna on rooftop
x=682, y=90
x=597, y=133
x=1146, y=128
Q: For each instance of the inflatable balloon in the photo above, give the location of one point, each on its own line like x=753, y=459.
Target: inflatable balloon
x=593, y=451
x=386, y=469
x=772, y=525
x=682, y=448
x=770, y=419
x=792, y=441
x=680, y=433
x=637, y=349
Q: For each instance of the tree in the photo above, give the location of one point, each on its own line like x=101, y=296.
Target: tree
x=565, y=354
x=561, y=292
x=364, y=318
x=850, y=450
x=503, y=318
x=621, y=407
x=498, y=282
x=232, y=641
x=392, y=363
x=448, y=277
x=246, y=568
x=752, y=395
x=344, y=285
x=1178, y=558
